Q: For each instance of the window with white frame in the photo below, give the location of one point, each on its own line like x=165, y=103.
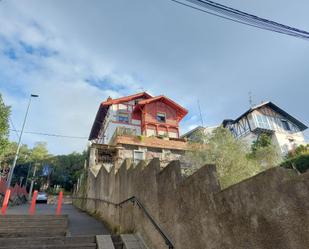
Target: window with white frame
x=263, y=122
x=138, y=155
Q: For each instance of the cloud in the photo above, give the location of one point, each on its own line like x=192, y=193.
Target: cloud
x=75, y=54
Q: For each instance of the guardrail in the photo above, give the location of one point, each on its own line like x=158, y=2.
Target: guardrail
x=134, y=200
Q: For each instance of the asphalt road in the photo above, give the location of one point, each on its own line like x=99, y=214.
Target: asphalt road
x=80, y=223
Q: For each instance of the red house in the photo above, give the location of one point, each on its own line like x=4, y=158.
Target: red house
x=138, y=114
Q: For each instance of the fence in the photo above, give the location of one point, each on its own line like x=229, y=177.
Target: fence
x=18, y=194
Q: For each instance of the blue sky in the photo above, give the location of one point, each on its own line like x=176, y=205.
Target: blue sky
x=75, y=54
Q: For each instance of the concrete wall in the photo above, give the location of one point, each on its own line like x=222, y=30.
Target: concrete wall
x=268, y=211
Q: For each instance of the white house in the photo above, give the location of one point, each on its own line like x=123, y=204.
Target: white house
x=285, y=130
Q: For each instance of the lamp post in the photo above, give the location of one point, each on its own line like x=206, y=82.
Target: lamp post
x=19, y=142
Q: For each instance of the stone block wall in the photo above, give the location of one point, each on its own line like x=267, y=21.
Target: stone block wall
x=268, y=211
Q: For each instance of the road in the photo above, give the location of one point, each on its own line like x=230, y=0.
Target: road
x=80, y=223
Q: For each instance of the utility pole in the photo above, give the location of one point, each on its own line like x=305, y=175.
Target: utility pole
x=9, y=181
x=32, y=183
x=29, y=167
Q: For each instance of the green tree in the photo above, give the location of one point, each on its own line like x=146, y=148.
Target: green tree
x=300, y=150
x=228, y=154
x=24, y=153
x=265, y=153
x=4, y=126
x=65, y=169
x=299, y=159
x=263, y=140
x=39, y=152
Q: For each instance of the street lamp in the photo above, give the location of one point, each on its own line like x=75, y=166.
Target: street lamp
x=19, y=142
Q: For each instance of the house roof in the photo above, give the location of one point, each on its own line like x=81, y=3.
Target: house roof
x=182, y=111
x=111, y=101
x=276, y=108
x=187, y=134
x=207, y=129
x=94, y=133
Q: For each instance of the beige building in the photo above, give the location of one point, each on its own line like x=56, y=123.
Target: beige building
x=136, y=148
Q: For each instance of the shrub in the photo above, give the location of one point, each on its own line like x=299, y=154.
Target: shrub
x=301, y=162
x=229, y=155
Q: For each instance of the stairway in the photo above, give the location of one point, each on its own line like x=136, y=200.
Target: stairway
x=76, y=242
x=51, y=232
x=33, y=226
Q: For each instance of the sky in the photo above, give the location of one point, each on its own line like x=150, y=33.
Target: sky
x=76, y=53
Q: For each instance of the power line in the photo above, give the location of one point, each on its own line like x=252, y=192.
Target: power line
x=241, y=17
x=50, y=134
x=13, y=126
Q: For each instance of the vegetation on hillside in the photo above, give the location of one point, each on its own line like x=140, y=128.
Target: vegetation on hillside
x=298, y=159
x=234, y=160
x=4, y=126
x=53, y=170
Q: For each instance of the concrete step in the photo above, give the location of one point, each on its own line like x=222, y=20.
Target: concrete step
x=76, y=240
x=104, y=242
x=132, y=241
x=35, y=232
x=33, y=225
x=32, y=217
x=34, y=221
x=80, y=246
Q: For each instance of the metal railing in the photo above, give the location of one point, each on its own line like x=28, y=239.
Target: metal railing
x=136, y=201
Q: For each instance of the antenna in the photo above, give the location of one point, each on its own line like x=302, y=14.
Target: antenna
x=199, y=108
x=250, y=99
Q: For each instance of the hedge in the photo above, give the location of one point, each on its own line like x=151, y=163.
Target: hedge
x=301, y=162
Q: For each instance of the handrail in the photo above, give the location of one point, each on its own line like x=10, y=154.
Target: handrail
x=134, y=199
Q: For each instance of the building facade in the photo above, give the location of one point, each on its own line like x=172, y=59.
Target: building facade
x=137, y=127
x=138, y=114
x=195, y=134
x=285, y=130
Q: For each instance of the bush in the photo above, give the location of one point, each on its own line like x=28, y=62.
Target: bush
x=227, y=153
x=301, y=163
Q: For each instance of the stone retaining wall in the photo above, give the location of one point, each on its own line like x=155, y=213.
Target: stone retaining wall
x=268, y=211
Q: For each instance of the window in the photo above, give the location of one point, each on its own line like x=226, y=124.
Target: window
x=161, y=117
x=138, y=155
x=123, y=117
x=285, y=125
x=262, y=121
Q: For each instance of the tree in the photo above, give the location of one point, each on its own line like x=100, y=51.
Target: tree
x=4, y=126
x=300, y=150
x=228, y=154
x=65, y=169
x=299, y=159
x=39, y=152
x=264, y=152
